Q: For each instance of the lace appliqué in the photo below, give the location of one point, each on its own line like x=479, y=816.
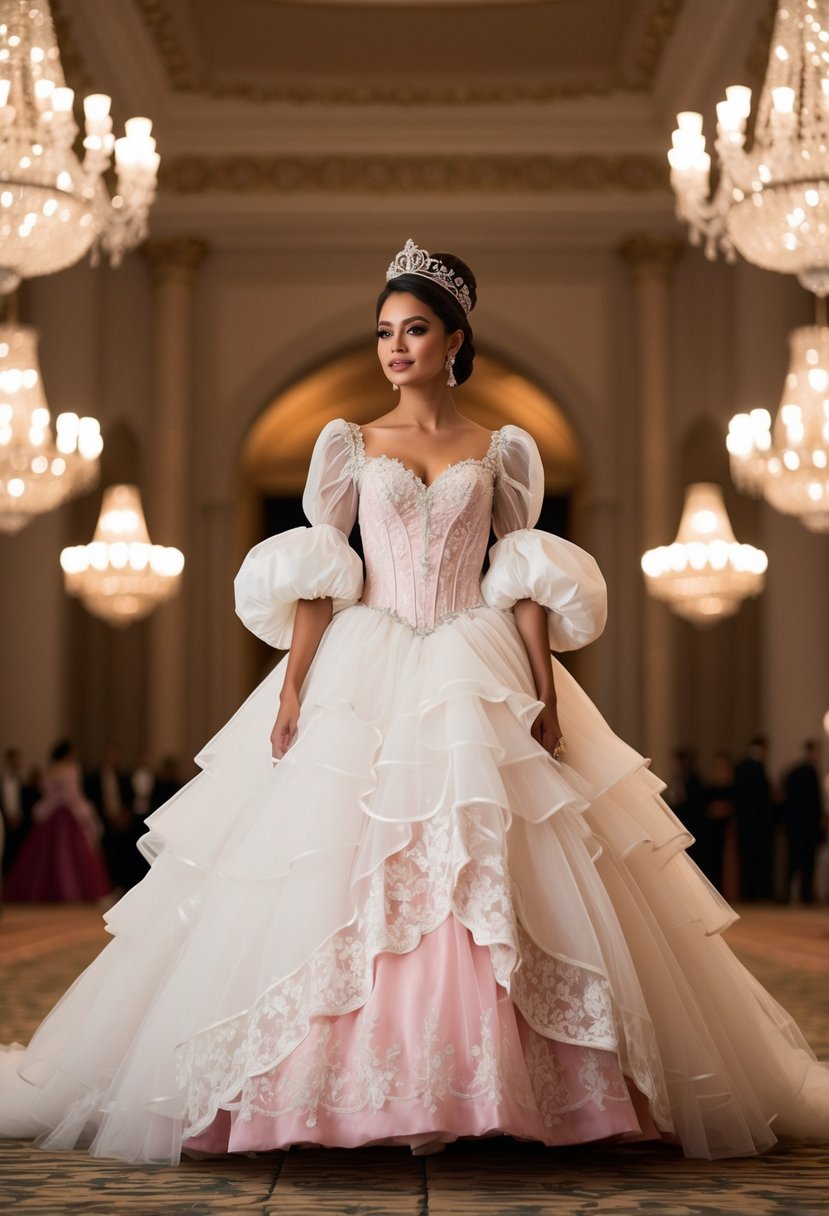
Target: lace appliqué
x=455, y=863
x=325, y=1075
x=358, y=452
x=321, y=1076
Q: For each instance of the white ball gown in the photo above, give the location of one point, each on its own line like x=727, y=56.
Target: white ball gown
x=417, y=926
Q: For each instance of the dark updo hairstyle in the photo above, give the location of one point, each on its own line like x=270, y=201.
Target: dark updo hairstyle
x=61, y=751
x=443, y=304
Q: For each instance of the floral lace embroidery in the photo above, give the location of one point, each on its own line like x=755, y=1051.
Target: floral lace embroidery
x=358, y=452
x=318, y=1076
x=398, y=482
x=425, y=546
x=452, y=864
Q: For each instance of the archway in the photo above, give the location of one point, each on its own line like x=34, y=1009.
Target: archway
x=277, y=448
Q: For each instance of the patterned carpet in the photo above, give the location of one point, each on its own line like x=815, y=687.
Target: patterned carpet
x=42, y=949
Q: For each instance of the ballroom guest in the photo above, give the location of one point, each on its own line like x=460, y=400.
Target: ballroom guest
x=686, y=797
x=143, y=782
x=168, y=781
x=16, y=800
x=804, y=818
x=755, y=822
x=61, y=859
x=108, y=787
x=723, y=867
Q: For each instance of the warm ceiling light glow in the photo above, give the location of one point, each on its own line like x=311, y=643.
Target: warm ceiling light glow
x=120, y=576
x=772, y=201
x=38, y=160
x=705, y=574
x=38, y=471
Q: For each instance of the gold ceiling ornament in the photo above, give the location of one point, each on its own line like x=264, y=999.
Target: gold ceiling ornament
x=788, y=463
x=54, y=208
x=120, y=576
x=771, y=203
x=542, y=174
x=705, y=575
x=185, y=76
x=40, y=467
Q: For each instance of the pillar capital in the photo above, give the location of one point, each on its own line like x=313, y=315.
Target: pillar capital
x=175, y=257
x=651, y=256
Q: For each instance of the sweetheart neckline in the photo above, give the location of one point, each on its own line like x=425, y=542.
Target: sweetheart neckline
x=416, y=476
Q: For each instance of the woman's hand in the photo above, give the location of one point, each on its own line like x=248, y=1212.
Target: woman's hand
x=285, y=726
x=546, y=729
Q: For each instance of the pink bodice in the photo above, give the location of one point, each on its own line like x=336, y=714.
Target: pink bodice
x=424, y=546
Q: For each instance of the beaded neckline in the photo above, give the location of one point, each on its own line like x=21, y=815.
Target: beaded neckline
x=485, y=461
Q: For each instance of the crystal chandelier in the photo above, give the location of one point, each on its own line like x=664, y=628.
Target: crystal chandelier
x=39, y=469
x=53, y=208
x=789, y=463
x=121, y=577
x=705, y=574
x=771, y=202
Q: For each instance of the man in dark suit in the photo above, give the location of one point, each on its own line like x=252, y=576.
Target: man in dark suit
x=108, y=787
x=804, y=819
x=17, y=798
x=755, y=821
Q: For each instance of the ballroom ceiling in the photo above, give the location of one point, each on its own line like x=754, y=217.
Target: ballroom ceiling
x=308, y=106
x=263, y=49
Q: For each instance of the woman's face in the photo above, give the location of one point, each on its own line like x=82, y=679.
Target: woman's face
x=412, y=344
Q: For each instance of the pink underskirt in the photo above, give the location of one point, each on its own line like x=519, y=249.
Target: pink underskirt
x=437, y=1052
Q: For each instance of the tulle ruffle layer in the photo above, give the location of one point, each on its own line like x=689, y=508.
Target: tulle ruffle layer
x=414, y=797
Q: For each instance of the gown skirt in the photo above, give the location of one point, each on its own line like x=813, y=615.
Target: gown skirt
x=416, y=926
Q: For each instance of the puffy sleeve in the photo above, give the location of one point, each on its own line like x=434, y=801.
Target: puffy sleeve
x=526, y=563
x=307, y=563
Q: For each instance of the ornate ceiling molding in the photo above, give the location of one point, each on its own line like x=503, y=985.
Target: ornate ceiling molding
x=184, y=76
x=252, y=175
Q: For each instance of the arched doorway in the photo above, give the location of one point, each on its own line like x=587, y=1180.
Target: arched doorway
x=277, y=448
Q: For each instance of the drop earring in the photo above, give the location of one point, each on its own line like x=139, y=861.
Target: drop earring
x=396, y=388
x=450, y=367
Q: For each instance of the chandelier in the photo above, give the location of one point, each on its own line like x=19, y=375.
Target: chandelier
x=705, y=574
x=39, y=468
x=771, y=202
x=121, y=577
x=789, y=463
x=53, y=207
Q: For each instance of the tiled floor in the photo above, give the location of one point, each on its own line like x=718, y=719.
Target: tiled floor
x=42, y=949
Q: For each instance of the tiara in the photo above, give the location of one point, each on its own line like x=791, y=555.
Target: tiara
x=413, y=260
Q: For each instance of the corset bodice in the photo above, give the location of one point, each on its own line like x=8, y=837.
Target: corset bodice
x=424, y=546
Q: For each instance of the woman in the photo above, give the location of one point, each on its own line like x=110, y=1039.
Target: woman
x=430, y=917
x=60, y=859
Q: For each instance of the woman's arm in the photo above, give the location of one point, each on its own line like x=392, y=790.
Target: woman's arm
x=531, y=621
x=312, y=619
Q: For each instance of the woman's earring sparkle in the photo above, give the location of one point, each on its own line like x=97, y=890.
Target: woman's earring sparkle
x=450, y=367
x=396, y=388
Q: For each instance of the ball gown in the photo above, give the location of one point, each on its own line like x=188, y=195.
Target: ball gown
x=416, y=926
x=60, y=859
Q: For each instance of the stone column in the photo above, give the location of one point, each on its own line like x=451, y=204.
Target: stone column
x=651, y=262
x=173, y=264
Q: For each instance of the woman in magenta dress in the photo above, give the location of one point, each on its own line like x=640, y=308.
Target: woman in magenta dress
x=61, y=859
x=443, y=899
